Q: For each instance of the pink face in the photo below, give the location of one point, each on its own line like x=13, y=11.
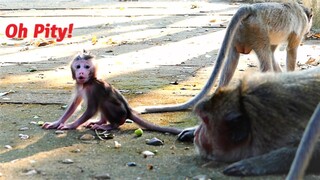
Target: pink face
x=224, y=131
x=83, y=70
x=205, y=139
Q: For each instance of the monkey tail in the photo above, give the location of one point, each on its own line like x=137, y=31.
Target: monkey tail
x=240, y=15
x=224, y=51
x=153, y=127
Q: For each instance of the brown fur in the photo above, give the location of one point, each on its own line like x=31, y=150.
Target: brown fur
x=263, y=113
x=258, y=27
x=100, y=97
x=306, y=147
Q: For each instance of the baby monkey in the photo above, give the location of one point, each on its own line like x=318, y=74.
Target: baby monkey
x=100, y=97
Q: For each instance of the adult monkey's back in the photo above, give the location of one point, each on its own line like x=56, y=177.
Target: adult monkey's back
x=259, y=27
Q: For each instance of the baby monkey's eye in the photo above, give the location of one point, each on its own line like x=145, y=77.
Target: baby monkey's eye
x=87, y=66
x=78, y=66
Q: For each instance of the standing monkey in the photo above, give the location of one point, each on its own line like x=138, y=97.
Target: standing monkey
x=259, y=123
x=99, y=97
x=258, y=27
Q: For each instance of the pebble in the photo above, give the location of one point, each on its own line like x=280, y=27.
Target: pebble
x=24, y=129
x=64, y=107
x=129, y=121
x=52, y=59
x=138, y=92
x=67, y=161
x=174, y=82
x=102, y=176
x=75, y=151
x=31, y=172
x=252, y=65
x=59, y=132
x=147, y=154
x=33, y=123
x=201, y=177
x=123, y=91
x=87, y=137
x=117, y=144
x=131, y=164
x=24, y=136
x=154, y=142
x=8, y=147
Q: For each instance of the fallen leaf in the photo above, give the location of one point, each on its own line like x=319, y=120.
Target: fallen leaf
x=213, y=20
x=94, y=40
x=317, y=35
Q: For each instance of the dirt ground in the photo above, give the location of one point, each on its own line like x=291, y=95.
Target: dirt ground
x=140, y=47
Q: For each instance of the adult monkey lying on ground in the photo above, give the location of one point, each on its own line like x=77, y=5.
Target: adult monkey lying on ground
x=259, y=27
x=259, y=123
x=306, y=147
x=100, y=97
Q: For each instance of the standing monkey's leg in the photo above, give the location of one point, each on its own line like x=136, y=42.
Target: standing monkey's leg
x=253, y=27
x=292, y=48
x=275, y=64
x=263, y=51
x=265, y=58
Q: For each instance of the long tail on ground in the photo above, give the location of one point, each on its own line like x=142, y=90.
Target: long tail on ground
x=154, y=127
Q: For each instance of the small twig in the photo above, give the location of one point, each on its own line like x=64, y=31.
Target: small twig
x=98, y=135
